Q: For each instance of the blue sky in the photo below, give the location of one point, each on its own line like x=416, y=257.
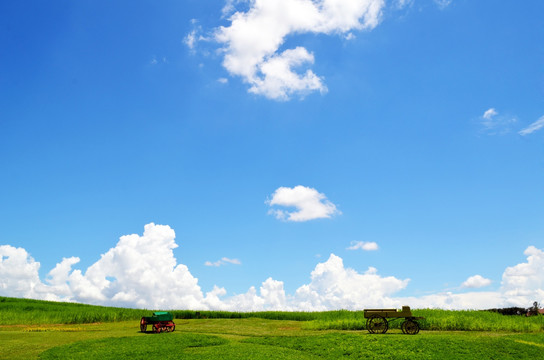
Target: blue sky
x=418, y=123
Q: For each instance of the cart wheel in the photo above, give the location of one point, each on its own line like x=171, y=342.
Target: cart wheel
x=410, y=327
x=157, y=328
x=173, y=327
x=143, y=325
x=377, y=325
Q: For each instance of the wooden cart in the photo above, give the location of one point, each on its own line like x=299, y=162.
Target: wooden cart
x=377, y=322
x=161, y=321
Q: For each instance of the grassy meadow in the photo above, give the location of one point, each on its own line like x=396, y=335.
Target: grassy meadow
x=32, y=329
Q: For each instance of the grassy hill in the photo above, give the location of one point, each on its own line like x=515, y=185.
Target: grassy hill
x=25, y=311
x=32, y=329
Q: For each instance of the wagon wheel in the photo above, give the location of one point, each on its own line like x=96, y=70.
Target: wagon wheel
x=143, y=325
x=173, y=327
x=157, y=328
x=377, y=325
x=410, y=327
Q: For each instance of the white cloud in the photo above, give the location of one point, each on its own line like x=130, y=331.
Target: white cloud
x=537, y=125
x=363, y=245
x=191, y=39
x=524, y=283
x=280, y=82
x=154, y=61
x=223, y=80
x=230, y=7
x=59, y=276
x=194, y=36
x=308, y=202
x=223, y=261
x=521, y=285
x=252, y=40
x=476, y=281
x=451, y=301
x=128, y=275
x=271, y=296
x=18, y=272
x=215, y=263
x=488, y=114
x=139, y=279
x=400, y=4
x=442, y=4
x=495, y=124
x=333, y=286
x=231, y=261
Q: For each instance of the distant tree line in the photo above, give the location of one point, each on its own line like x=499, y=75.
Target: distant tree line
x=531, y=311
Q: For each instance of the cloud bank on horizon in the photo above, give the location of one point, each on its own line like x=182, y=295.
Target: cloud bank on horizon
x=121, y=278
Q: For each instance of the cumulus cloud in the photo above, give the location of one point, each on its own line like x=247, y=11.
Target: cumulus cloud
x=278, y=81
x=59, y=276
x=309, y=204
x=537, y=125
x=126, y=275
x=333, y=286
x=252, y=41
x=363, y=245
x=521, y=285
x=476, y=281
x=524, y=283
x=271, y=296
x=18, y=272
x=223, y=261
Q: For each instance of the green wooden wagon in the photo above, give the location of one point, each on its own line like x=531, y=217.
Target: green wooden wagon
x=377, y=322
x=161, y=321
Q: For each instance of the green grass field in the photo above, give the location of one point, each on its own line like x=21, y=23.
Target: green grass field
x=31, y=329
